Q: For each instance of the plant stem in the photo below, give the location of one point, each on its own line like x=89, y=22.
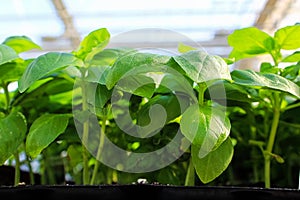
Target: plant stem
x=253, y=153
x=114, y=176
x=17, y=169
x=271, y=139
x=202, y=88
x=275, y=58
x=85, y=136
x=7, y=98
x=43, y=172
x=101, y=144
x=190, y=175
x=292, y=106
x=51, y=179
x=85, y=165
x=48, y=166
x=31, y=175
x=291, y=125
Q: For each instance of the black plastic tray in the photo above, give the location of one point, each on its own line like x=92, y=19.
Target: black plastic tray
x=145, y=191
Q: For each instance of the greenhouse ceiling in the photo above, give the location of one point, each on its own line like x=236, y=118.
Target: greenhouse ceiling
x=61, y=24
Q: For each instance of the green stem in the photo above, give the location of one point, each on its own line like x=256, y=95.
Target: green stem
x=275, y=59
x=51, y=179
x=7, y=98
x=17, y=169
x=101, y=144
x=253, y=153
x=291, y=106
x=31, y=175
x=291, y=125
x=114, y=176
x=48, y=167
x=43, y=172
x=110, y=175
x=85, y=165
x=271, y=139
x=85, y=136
x=190, y=175
x=202, y=88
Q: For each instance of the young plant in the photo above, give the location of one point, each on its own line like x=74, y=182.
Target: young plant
x=211, y=149
x=143, y=102
x=202, y=123
x=13, y=124
x=267, y=94
x=68, y=66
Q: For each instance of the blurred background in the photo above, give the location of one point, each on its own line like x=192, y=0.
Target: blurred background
x=59, y=25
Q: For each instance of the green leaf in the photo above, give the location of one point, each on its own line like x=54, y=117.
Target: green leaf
x=237, y=55
x=291, y=72
x=92, y=44
x=279, y=159
x=134, y=63
x=7, y=54
x=97, y=74
x=202, y=67
x=45, y=65
x=12, y=71
x=73, y=152
x=98, y=95
x=295, y=57
x=12, y=134
x=213, y=164
x=266, y=67
x=254, y=79
x=44, y=131
x=43, y=88
x=288, y=37
x=176, y=83
x=206, y=127
x=227, y=93
x=169, y=105
x=107, y=57
x=249, y=42
x=56, y=86
x=183, y=48
x=229, y=61
x=21, y=43
x=138, y=84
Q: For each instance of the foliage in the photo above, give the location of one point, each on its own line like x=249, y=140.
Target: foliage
x=69, y=108
x=269, y=96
